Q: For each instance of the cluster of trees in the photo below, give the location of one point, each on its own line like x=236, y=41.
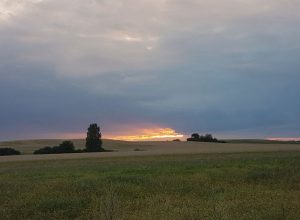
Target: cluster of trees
x=8, y=151
x=93, y=144
x=204, y=138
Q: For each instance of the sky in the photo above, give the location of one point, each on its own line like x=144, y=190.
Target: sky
x=153, y=68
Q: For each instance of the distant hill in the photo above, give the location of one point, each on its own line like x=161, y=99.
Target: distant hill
x=259, y=141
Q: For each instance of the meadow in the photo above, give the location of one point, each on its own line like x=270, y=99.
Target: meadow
x=261, y=185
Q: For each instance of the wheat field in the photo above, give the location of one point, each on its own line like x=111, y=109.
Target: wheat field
x=146, y=148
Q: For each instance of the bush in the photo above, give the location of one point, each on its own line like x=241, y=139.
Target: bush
x=45, y=150
x=8, y=151
x=64, y=147
x=138, y=149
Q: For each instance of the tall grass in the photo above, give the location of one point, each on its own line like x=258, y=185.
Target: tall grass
x=216, y=186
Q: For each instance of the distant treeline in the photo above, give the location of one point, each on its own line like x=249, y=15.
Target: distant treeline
x=204, y=138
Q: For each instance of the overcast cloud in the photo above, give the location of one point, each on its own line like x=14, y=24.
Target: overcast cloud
x=228, y=67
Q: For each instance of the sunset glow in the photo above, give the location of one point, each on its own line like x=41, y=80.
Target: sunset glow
x=150, y=134
x=284, y=139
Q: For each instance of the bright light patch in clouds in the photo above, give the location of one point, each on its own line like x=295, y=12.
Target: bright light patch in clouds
x=132, y=39
x=8, y=9
x=11, y=8
x=150, y=134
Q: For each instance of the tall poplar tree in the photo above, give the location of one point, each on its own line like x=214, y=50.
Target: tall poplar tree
x=93, y=139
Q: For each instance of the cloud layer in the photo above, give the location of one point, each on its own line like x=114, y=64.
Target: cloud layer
x=231, y=68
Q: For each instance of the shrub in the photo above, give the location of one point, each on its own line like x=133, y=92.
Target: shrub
x=138, y=149
x=8, y=151
x=45, y=150
x=64, y=147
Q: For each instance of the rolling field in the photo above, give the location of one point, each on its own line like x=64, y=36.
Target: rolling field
x=146, y=148
x=199, y=186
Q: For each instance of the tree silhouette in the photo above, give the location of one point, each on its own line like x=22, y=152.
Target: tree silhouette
x=66, y=147
x=205, y=138
x=93, y=139
x=196, y=136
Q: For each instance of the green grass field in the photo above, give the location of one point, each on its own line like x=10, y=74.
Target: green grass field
x=202, y=186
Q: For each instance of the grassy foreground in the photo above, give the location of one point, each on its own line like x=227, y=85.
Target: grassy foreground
x=209, y=186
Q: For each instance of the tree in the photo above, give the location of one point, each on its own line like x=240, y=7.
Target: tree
x=93, y=139
x=195, y=136
x=208, y=137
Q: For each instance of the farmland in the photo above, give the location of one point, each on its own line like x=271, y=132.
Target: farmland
x=185, y=185
x=146, y=148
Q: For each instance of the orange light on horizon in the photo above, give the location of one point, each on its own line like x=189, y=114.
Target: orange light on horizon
x=150, y=134
x=283, y=139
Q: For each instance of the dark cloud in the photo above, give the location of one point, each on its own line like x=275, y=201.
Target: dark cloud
x=228, y=68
